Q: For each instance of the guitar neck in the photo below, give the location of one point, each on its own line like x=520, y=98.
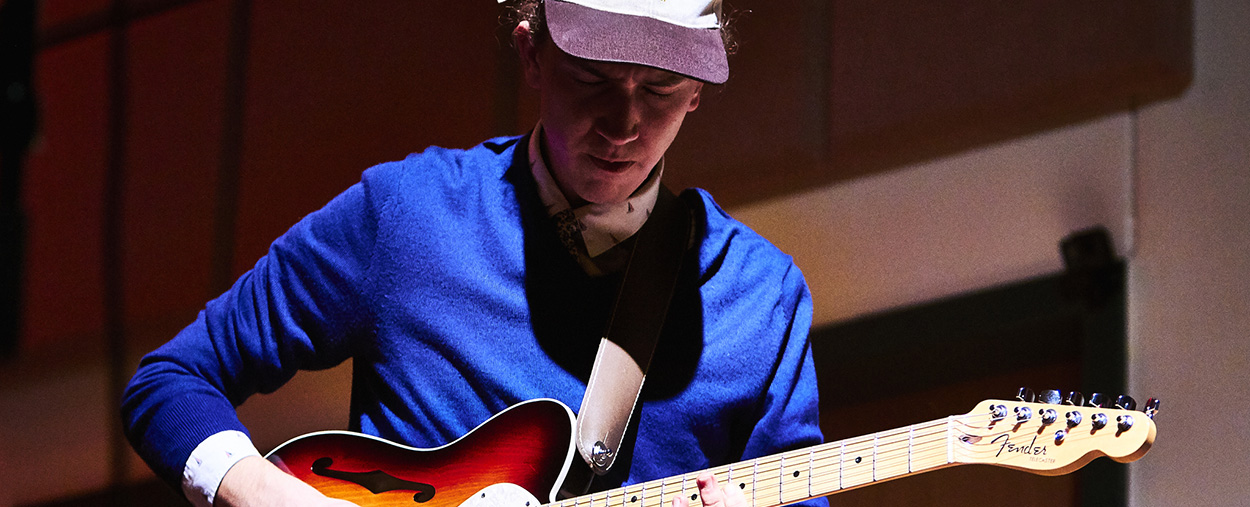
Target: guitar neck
x=794, y=476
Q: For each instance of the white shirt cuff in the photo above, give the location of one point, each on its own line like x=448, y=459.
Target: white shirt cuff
x=210, y=461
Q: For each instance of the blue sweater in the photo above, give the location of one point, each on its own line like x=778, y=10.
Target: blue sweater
x=441, y=276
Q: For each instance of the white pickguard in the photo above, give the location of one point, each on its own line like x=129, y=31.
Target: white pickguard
x=502, y=495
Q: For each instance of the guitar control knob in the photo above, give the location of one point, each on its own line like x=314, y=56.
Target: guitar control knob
x=1059, y=436
x=1152, y=407
x=1049, y=416
x=1099, y=421
x=1025, y=394
x=1074, y=418
x=1050, y=396
x=998, y=413
x=1023, y=414
x=1125, y=402
x=1097, y=400
x=1124, y=422
x=1074, y=398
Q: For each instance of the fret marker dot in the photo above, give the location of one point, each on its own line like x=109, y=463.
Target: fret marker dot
x=858, y=459
x=692, y=497
x=634, y=499
x=742, y=485
x=796, y=473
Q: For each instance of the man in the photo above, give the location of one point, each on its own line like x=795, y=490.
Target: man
x=463, y=282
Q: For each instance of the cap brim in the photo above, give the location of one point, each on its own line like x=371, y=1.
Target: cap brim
x=593, y=34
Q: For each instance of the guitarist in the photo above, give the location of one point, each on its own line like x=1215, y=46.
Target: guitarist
x=461, y=282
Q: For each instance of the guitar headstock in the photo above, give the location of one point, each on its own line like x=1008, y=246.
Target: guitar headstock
x=1056, y=436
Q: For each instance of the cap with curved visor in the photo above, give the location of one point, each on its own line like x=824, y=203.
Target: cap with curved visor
x=681, y=36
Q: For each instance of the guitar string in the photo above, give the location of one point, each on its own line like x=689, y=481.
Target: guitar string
x=609, y=497
x=766, y=462
x=901, y=455
x=816, y=453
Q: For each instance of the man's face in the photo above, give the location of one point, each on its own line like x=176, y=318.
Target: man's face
x=605, y=125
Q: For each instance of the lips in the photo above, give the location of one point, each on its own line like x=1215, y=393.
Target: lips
x=613, y=166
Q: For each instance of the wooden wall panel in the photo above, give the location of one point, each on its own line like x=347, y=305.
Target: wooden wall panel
x=56, y=13
x=62, y=196
x=911, y=80
x=176, y=90
x=334, y=87
x=770, y=120
x=922, y=78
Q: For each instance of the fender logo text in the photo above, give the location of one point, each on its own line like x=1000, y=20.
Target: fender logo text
x=1032, y=449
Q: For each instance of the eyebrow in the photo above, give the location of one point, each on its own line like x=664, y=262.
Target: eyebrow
x=666, y=78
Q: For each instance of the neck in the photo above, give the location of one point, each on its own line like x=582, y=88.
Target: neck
x=798, y=475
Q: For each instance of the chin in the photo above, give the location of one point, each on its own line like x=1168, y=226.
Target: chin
x=605, y=194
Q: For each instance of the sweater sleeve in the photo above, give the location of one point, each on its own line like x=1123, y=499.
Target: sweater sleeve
x=298, y=308
x=790, y=416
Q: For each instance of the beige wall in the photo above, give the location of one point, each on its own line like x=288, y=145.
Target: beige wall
x=982, y=218
x=1190, y=277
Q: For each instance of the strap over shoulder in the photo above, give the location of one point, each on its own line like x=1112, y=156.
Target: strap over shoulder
x=634, y=328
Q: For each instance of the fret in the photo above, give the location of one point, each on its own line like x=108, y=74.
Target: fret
x=841, y=461
x=793, y=472
x=893, y=454
x=766, y=475
x=676, y=488
x=603, y=499
x=721, y=474
x=911, y=436
x=857, y=465
x=928, y=446
x=826, y=470
x=683, y=486
x=614, y=498
x=781, y=480
x=633, y=495
x=663, y=487
x=810, y=454
x=755, y=475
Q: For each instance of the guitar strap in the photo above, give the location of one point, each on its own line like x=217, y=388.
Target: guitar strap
x=633, y=329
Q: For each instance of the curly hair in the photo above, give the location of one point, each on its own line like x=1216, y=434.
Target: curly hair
x=517, y=11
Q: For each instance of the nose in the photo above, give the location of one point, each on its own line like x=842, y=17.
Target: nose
x=618, y=121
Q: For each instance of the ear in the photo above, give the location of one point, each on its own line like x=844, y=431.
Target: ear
x=694, y=100
x=527, y=50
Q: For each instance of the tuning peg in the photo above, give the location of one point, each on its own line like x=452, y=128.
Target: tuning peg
x=1025, y=394
x=1097, y=400
x=1152, y=407
x=1050, y=396
x=1074, y=398
x=1125, y=402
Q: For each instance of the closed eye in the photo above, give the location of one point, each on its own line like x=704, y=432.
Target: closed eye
x=661, y=91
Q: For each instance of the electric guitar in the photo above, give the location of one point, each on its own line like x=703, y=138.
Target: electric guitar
x=520, y=457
